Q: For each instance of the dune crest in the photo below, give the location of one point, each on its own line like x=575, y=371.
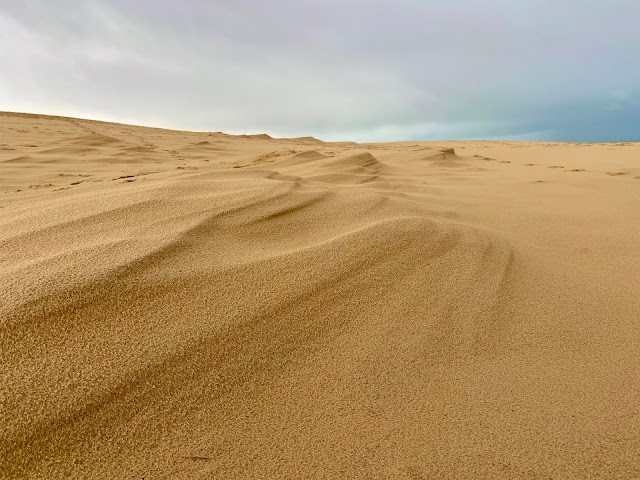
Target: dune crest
x=198, y=305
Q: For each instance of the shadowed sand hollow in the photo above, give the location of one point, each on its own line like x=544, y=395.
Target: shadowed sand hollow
x=200, y=305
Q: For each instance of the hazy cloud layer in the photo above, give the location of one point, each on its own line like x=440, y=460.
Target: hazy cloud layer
x=350, y=69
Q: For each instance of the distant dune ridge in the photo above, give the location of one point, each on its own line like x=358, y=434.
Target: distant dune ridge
x=200, y=305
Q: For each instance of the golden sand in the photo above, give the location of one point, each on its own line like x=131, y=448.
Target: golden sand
x=179, y=305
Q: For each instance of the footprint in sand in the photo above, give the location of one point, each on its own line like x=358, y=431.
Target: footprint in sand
x=617, y=174
x=530, y=164
x=505, y=161
x=556, y=166
x=576, y=170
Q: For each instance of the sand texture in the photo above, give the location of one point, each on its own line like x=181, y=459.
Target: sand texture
x=179, y=305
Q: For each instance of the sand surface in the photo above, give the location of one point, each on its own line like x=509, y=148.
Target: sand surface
x=178, y=305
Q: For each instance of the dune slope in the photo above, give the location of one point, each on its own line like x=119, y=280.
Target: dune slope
x=201, y=305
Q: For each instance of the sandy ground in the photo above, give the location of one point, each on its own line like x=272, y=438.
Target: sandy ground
x=178, y=305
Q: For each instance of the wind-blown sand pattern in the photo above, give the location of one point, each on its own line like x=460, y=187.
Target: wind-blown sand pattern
x=199, y=305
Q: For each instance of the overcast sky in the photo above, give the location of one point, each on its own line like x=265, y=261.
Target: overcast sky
x=336, y=69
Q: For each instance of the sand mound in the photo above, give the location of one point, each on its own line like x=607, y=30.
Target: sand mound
x=257, y=136
x=362, y=160
x=309, y=155
x=310, y=141
x=93, y=140
x=380, y=311
x=303, y=158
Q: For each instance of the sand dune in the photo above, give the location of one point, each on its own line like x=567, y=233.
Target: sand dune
x=201, y=305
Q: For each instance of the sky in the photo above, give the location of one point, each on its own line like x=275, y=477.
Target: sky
x=362, y=70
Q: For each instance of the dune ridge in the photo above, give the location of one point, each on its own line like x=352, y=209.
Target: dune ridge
x=201, y=305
